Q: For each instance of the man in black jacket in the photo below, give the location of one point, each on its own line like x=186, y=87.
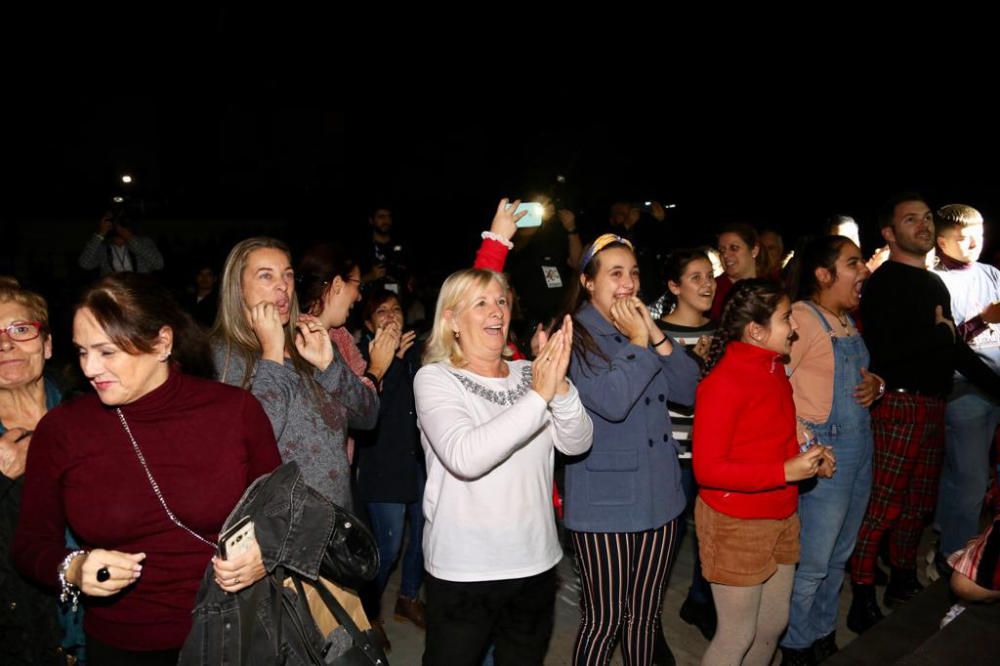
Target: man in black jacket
x=908, y=328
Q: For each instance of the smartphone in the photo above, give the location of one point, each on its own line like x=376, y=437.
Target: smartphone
x=238, y=539
x=534, y=216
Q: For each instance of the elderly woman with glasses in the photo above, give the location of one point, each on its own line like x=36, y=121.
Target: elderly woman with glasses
x=29, y=622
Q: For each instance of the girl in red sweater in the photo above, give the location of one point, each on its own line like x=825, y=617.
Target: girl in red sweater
x=746, y=464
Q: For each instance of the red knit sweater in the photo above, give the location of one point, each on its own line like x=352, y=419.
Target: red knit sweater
x=744, y=431
x=204, y=443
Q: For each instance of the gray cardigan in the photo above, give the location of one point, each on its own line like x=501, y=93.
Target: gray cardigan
x=630, y=480
x=142, y=251
x=310, y=429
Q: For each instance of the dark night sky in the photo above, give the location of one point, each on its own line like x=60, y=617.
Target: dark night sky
x=779, y=130
x=223, y=113
x=220, y=144
x=273, y=156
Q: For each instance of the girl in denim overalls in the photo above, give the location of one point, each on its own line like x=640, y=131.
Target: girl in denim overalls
x=829, y=359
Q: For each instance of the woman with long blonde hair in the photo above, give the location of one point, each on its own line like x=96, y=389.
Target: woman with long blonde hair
x=262, y=342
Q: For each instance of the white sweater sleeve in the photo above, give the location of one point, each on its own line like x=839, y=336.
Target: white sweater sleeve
x=466, y=450
x=573, y=431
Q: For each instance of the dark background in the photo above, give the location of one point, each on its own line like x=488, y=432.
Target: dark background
x=311, y=169
x=229, y=130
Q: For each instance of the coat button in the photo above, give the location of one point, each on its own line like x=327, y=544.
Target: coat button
x=618, y=338
x=666, y=438
x=650, y=443
x=647, y=400
x=631, y=357
x=661, y=397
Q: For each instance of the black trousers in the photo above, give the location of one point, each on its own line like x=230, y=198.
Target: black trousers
x=464, y=619
x=102, y=654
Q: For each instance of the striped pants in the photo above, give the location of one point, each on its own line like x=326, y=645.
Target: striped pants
x=909, y=448
x=622, y=577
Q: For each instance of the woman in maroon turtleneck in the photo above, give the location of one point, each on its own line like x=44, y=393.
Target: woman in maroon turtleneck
x=201, y=441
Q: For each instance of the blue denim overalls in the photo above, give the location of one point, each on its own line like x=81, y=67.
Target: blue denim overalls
x=831, y=510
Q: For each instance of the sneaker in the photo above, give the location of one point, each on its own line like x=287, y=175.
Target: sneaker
x=952, y=613
x=411, y=610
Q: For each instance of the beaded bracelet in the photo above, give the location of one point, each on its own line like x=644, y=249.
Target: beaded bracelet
x=69, y=592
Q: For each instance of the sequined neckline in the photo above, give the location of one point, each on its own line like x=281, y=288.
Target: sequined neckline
x=504, y=398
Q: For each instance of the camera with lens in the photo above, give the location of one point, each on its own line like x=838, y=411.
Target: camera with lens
x=120, y=211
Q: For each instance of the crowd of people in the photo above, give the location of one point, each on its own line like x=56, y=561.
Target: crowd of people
x=810, y=412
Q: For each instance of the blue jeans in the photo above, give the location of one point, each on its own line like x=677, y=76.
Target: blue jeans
x=970, y=421
x=831, y=511
x=387, y=524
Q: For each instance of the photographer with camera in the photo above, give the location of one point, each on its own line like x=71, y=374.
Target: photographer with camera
x=116, y=248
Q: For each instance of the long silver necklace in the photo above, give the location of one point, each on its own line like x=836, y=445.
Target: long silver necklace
x=156, y=487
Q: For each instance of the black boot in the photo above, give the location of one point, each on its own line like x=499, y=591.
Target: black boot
x=794, y=657
x=701, y=615
x=825, y=647
x=903, y=586
x=865, y=612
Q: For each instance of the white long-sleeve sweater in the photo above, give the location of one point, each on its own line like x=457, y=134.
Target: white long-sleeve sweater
x=490, y=444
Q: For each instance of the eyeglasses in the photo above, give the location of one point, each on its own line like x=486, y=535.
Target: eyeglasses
x=23, y=331
x=350, y=279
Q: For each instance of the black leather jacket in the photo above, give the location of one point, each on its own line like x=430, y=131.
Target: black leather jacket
x=299, y=532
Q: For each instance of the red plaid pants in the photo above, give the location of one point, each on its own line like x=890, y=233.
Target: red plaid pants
x=909, y=448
